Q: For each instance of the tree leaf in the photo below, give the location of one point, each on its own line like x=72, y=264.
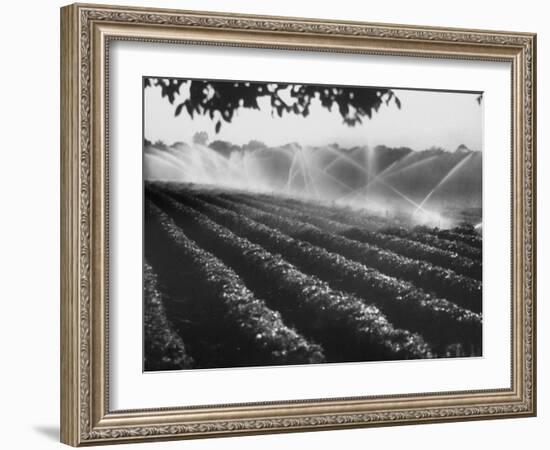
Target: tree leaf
x=189, y=107
x=212, y=98
x=179, y=108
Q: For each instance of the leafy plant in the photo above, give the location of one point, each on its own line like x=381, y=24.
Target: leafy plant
x=220, y=99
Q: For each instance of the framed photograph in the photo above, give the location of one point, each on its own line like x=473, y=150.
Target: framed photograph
x=276, y=224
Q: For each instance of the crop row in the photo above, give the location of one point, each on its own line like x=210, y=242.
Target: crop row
x=441, y=322
x=348, y=329
x=458, y=247
x=220, y=320
x=417, y=250
x=411, y=249
x=462, y=240
x=340, y=214
x=463, y=291
x=454, y=234
x=466, y=228
x=164, y=348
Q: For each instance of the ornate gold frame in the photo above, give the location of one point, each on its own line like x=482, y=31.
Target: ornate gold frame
x=86, y=31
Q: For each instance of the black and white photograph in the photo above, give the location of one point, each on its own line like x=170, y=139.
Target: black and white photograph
x=290, y=223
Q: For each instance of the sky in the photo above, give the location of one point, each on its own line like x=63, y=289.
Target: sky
x=426, y=119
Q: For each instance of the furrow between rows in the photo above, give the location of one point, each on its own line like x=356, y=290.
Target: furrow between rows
x=402, y=246
x=441, y=322
x=163, y=347
x=348, y=329
x=463, y=291
x=221, y=321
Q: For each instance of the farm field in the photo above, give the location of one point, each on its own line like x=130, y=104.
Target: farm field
x=234, y=278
